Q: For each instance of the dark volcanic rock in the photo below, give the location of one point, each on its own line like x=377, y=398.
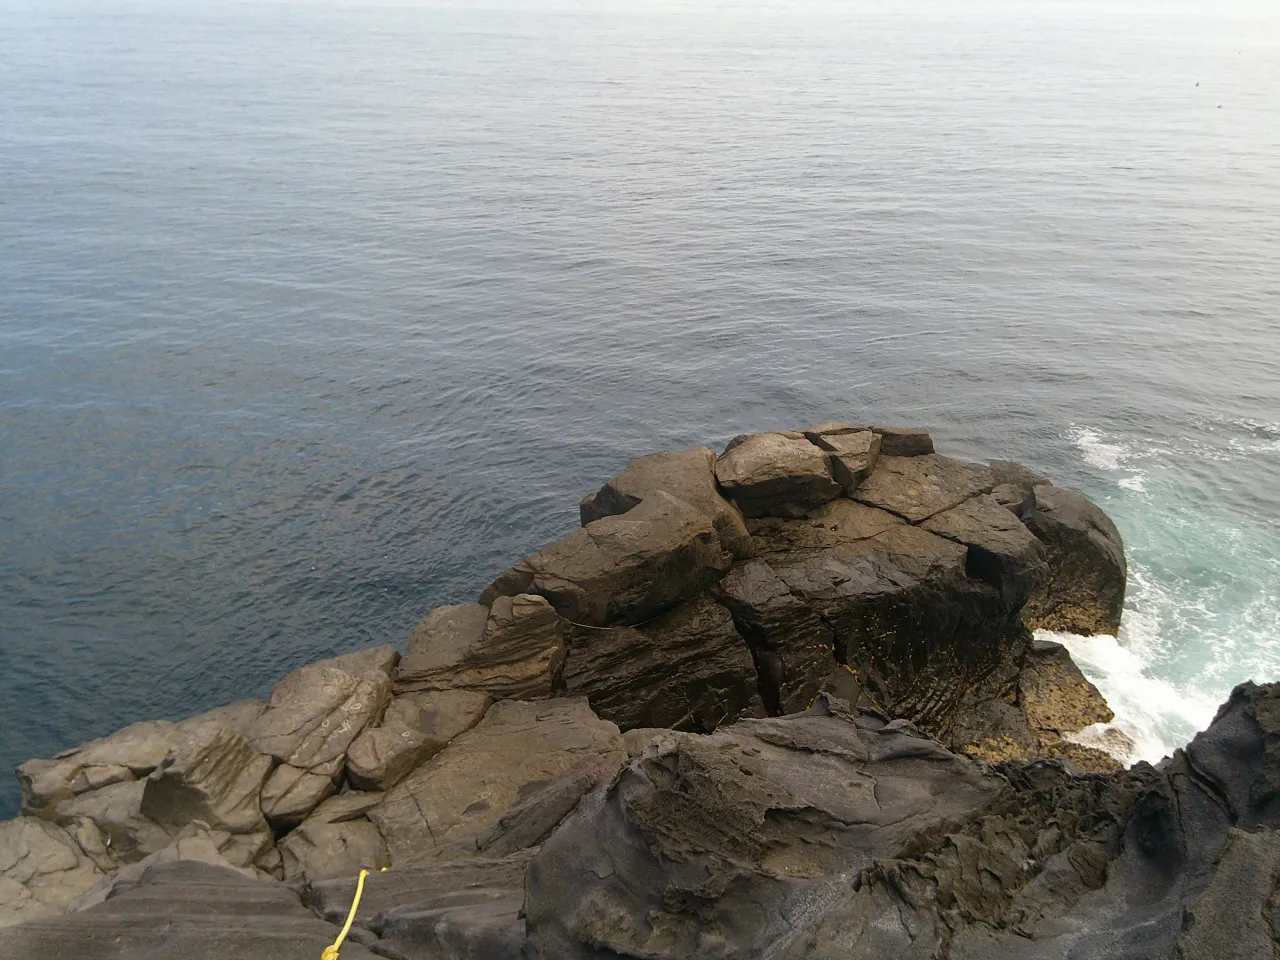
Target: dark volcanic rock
x=918, y=632
x=623, y=569
x=728, y=845
x=793, y=648
x=836, y=524
x=689, y=669
x=1002, y=552
x=1084, y=592
x=917, y=487
x=776, y=475
x=689, y=476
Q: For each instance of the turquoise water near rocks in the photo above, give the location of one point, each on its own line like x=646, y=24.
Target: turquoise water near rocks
x=316, y=314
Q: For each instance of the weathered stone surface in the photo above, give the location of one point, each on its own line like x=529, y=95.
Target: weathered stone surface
x=351, y=805
x=1055, y=695
x=317, y=711
x=689, y=476
x=116, y=811
x=918, y=632
x=485, y=772
x=383, y=756
x=291, y=793
x=372, y=664
x=514, y=649
x=462, y=910
x=836, y=524
x=770, y=474
x=125, y=755
x=1002, y=552
x=42, y=870
x=213, y=775
x=853, y=455
x=904, y=442
x=320, y=851
x=185, y=910
x=623, y=569
x=689, y=669
x=794, y=650
x=442, y=714
x=728, y=845
x=917, y=487
x=1084, y=592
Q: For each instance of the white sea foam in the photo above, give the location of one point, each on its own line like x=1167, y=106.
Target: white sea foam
x=1097, y=450
x=1147, y=709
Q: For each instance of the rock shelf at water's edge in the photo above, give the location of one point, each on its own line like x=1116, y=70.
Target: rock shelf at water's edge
x=781, y=702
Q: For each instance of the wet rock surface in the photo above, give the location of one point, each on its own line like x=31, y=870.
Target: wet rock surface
x=781, y=703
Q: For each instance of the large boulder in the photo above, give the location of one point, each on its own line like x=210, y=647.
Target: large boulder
x=917, y=487
x=1001, y=551
x=316, y=712
x=623, y=569
x=728, y=845
x=854, y=452
x=1084, y=591
x=440, y=809
x=689, y=476
x=214, y=776
x=775, y=474
x=42, y=870
x=513, y=648
x=291, y=793
x=689, y=669
x=794, y=649
x=904, y=441
x=442, y=714
x=320, y=851
x=919, y=633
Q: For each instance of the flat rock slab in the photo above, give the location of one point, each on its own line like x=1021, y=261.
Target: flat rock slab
x=724, y=845
x=485, y=772
x=689, y=476
x=462, y=910
x=904, y=441
x=774, y=474
x=623, y=569
x=442, y=714
x=184, y=911
x=840, y=523
x=689, y=669
x=513, y=648
x=916, y=488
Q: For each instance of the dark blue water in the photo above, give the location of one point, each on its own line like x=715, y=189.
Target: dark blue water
x=317, y=314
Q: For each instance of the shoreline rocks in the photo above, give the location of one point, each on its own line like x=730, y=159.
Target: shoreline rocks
x=793, y=681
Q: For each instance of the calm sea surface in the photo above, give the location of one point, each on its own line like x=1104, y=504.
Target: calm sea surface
x=317, y=314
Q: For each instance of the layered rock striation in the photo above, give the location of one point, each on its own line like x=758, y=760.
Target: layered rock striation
x=780, y=702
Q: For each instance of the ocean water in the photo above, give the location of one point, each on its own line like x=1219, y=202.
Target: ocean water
x=315, y=314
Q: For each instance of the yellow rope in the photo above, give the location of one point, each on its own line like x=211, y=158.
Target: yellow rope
x=331, y=952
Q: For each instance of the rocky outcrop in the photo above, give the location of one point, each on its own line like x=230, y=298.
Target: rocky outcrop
x=623, y=569
x=689, y=476
x=755, y=704
x=1084, y=592
x=776, y=475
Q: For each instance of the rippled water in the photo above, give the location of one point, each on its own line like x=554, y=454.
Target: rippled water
x=314, y=315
